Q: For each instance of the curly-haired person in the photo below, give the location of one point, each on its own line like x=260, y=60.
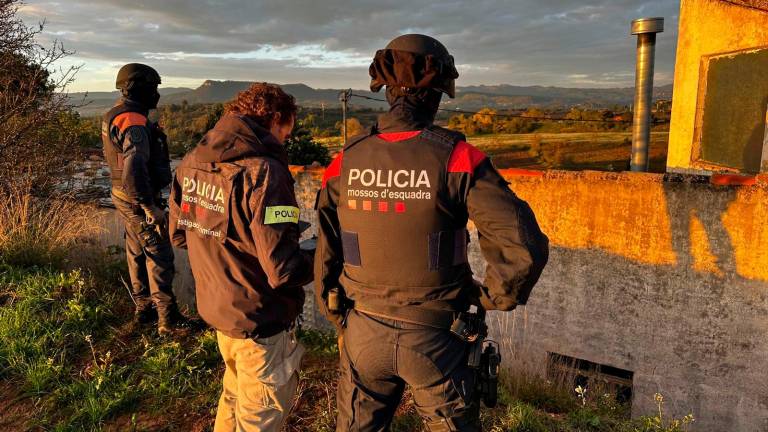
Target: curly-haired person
x=234, y=209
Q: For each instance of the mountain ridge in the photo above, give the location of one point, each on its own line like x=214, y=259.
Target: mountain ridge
x=499, y=96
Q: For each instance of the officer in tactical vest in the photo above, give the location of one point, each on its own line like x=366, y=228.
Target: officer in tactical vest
x=391, y=266
x=136, y=150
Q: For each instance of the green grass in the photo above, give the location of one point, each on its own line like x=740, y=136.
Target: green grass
x=69, y=361
x=68, y=349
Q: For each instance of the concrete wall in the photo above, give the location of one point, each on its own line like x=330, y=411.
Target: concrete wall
x=664, y=276
x=707, y=27
x=667, y=278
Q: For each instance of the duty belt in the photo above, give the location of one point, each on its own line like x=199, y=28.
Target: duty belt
x=441, y=319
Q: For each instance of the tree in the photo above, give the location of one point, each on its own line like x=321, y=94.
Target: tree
x=354, y=127
x=185, y=128
x=303, y=150
x=35, y=145
x=534, y=113
x=485, y=120
x=463, y=124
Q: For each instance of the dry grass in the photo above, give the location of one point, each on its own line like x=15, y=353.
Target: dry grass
x=41, y=231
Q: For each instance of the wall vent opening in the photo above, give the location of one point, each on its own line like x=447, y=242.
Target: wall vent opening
x=600, y=379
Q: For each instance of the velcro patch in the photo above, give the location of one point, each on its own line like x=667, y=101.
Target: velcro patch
x=281, y=214
x=136, y=135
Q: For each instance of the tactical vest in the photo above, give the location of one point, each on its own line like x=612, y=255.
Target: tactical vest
x=159, y=167
x=404, y=237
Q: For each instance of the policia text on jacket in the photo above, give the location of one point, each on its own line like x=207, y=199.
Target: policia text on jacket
x=391, y=267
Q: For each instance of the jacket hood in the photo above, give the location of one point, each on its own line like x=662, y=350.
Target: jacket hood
x=237, y=137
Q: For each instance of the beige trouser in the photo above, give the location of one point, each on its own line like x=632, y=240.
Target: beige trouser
x=259, y=382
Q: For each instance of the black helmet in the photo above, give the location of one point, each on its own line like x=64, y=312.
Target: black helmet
x=414, y=61
x=136, y=73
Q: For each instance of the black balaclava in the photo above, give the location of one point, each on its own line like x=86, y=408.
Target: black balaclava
x=409, y=109
x=145, y=95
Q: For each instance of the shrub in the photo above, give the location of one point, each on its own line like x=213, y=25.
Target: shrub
x=535, y=148
x=41, y=231
x=34, y=108
x=304, y=150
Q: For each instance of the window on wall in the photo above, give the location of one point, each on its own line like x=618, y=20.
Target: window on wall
x=730, y=132
x=596, y=378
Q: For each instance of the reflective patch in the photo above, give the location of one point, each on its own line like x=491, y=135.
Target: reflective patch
x=281, y=214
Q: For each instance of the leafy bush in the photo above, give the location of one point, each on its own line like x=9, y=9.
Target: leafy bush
x=186, y=124
x=303, y=150
x=34, y=109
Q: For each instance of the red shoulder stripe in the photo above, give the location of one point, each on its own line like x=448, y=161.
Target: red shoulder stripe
x=465, y=158
x=128, y=119
x=334, y=169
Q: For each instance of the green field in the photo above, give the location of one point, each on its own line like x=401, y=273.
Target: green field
x=601, y=151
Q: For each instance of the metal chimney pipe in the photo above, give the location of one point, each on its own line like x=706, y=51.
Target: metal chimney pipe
x=645, y=29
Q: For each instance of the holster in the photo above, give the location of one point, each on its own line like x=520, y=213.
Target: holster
x=488, y=375
x=484, y=356
x=338, y=305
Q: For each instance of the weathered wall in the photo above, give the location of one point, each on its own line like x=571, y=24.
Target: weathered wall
x=666, y=277
x=707, y=27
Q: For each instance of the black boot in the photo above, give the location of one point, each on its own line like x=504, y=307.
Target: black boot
x=169, y=320
x=145, y=315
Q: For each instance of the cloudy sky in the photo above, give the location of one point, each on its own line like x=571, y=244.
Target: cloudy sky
x=329, y=43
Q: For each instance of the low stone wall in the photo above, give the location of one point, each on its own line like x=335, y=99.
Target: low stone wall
x=663, y=276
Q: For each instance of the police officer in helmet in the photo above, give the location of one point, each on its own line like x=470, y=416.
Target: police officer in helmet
x=136, y=150
x=391, y=267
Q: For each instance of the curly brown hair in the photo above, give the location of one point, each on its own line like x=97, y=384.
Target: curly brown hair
x=261, y=102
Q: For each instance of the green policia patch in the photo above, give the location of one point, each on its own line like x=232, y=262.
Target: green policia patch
x=281, y=214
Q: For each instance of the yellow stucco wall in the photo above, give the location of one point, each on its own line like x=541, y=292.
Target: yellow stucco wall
x=707, y=27
x=721, y=231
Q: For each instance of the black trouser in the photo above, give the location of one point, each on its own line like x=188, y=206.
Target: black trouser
x=380, y=356
x=150, y=260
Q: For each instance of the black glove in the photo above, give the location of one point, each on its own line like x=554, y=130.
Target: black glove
x=155, y=215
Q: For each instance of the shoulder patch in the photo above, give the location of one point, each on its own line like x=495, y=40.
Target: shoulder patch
x=128, y=119
x=334, y=169
x=281, y=214
x=465, y=158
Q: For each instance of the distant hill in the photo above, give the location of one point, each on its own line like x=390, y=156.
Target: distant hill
x=95, y=103
x=223, y=91
x=509, y=96
x=468, y=98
